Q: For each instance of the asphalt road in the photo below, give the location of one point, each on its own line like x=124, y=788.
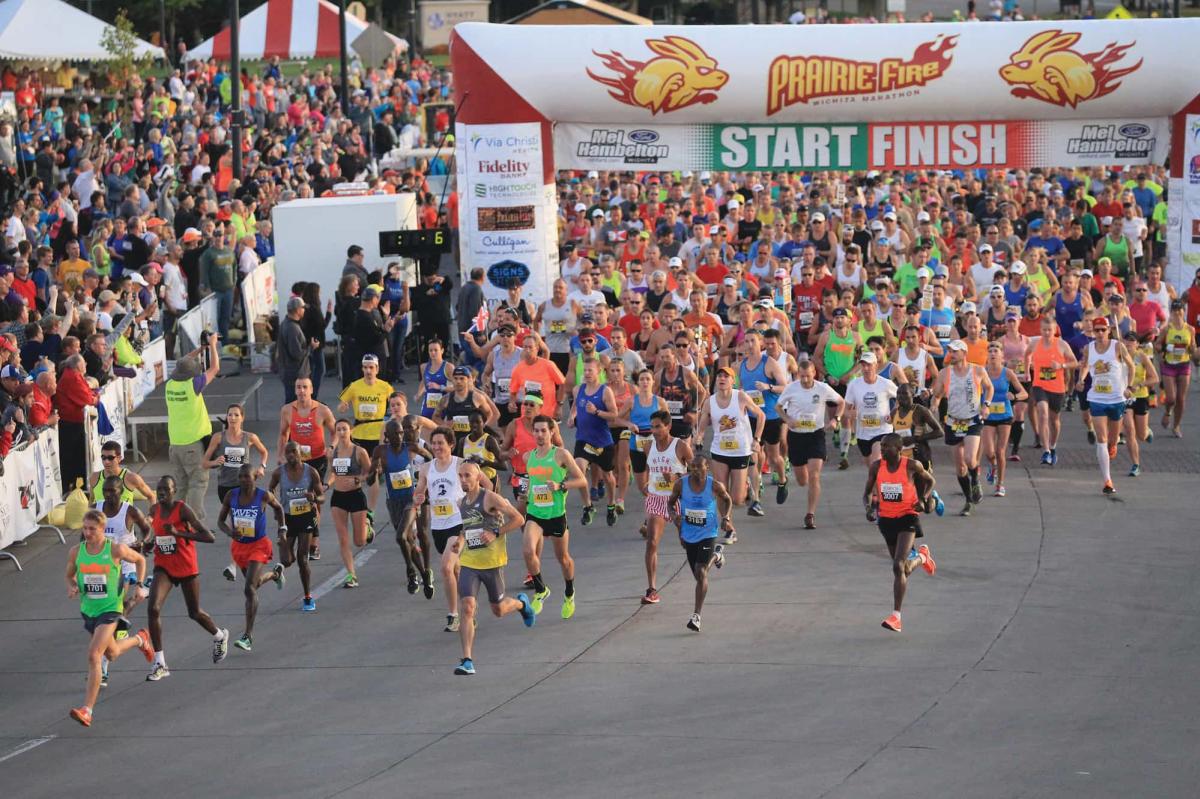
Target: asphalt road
x=1053, y=655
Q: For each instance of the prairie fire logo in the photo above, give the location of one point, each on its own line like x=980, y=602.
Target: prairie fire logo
x=1047, y=69
x=681, y=74
x=803, y=79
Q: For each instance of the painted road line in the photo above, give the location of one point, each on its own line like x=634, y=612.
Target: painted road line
x=336, y=580
x=25, y=747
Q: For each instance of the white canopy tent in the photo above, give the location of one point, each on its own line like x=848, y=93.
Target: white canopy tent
x=51, y=30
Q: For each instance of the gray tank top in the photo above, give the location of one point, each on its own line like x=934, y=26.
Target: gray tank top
x=962, y=396
x=235, y=455
x=558, y=325
x=344, y=465
x=293, y=494
x=502, y=368
x=476, y=520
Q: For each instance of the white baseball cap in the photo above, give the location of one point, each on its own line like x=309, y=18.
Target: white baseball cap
x=957, y=344
x=714, y=230
x=757, y=187
x=734, y=202
x=877, y=225
x=1017, y=268
x=923, y=216
x=968, y=307
x=890, y=215
x=580, y=207
x=593, y=175
x=867, y=357
x=676, y=261
x=818, y=217
x=925, y=272
x=985, y=248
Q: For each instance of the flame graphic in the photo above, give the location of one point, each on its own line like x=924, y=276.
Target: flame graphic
x=680, y=74
x=1046, y=68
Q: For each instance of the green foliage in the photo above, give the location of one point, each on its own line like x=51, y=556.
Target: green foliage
x=120, y=41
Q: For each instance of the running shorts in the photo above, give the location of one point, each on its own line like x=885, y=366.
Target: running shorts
x=600, y=456
x=1141, y=406
x=176, y=579
x=866, y=444
x=552, y=528
x=958, y=429
x=805, y=447
x=353, y=501
x=321, y=464
x=395, y=509
x=442, y=537
x=302, y=524
x=90, y=623
x=470, y=579
x=658, y=506
x=700, y=552
x=772, y=432
x=681, y=429
x=1176, y=369
x=257, y=551
x=1052, y=398
x=732, y=461
x=892, y=528
x=1114, y=411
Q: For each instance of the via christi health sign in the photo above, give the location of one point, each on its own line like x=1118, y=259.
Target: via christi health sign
x=503, y=214
x=860, y=146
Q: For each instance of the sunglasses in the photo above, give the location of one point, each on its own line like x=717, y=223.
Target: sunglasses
x=108, y=457
x=587, y=341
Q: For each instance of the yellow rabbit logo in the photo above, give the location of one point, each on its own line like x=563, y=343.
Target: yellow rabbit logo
x=679, y=75
x=1047, y=69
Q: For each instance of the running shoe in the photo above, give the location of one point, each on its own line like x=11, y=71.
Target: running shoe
x=600, y=489
x=1112, y=451
x=1109, y=488
x=1176, y=432
x=428, y=588
x=620, y=507
x=370, y=527
x=144, y=644
x=527, y=613
x=1054, y=457
x=593, y=493
x=351, y=581
x=413, y=583
x=1135, y=470
x=1070, y=403
x=644, y=531
x=1121, y=440
x=244, y=643
x=465, y=667
x=991, y=474
x=104, y=675
x=539, y=598
x=927, y=561
x=221, y=648
x=159, y=671
x=976, y=493
x=279, y=577
x=230, y=573
x=781, y=493
x=843, y=464
x=83, y=715
x=314, y=552
x=810, y=521
x=451, y=623
x=651, y=597
x=939, y=507
x=308, y=605
x=837, y=436
x=1001, y=491
x=1045, y=458
x=731, y=536
x=756, y=509
x=892, y=622
x=1149, y=436
x=872, y=514
x=611, y=516
x=1091, y=436
x=568, y=606
x=719, y=555
x=1014, y=458
x=589, y=515
x=694, y=623
x=966, y=511
x=528, y=583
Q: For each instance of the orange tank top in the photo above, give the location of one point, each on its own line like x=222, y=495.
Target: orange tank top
x=895, y=490
x=1047, y=367
x=977, y=351
x=307, y=432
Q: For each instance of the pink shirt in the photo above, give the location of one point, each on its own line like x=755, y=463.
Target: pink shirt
x=1147, y=315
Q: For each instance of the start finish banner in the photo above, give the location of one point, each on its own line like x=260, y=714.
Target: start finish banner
x=861, y=146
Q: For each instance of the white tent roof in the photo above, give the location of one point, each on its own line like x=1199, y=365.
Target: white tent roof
x=51, y=30
x=287, y=29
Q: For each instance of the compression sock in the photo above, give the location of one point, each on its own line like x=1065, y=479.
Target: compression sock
x=973, y=473
x=538, y=585
x=1018, y=429
x=964, y=483
x=161, y=659
x=570, y=589
x=1102, y=457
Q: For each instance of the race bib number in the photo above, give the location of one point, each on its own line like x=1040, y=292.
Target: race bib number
x=165, y=544
x=675, y=407
x=433, y=399
x=757, y=396
x=95, y=586
x=642, y=442
x=805, y=423
x=533, y=385
x=474, y=536
x=806, y=319
x=461, y=425
x=443, y=510
x=891, y=492
x=341, y=466
x=903, y=432
x=942, y=332
x=400, y=480
x=996, y=408
x=696, y=517
x=960, y=426
x=592, y=450
x=296, y=507
x=728, y=443
x=523, y=483
x=543, y=497
x=502, y=388
x=1047, y=373
x=368, y=409
x=1104, y=386
x=663, y=483
x=871, y=420
x=244, y=527
x=305, y=452
x=235, y=456
x=558, y=326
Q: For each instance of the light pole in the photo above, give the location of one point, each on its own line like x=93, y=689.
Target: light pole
x=235, y=93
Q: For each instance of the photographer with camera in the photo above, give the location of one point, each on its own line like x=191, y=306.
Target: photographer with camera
x=188, y=423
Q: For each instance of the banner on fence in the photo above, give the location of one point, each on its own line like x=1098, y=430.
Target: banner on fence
x=260, y=295
x=29, y=488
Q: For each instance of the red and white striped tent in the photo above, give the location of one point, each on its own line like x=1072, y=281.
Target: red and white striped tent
x=289, y=29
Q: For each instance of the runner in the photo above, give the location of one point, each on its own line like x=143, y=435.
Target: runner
x=351, y=465
x=869, y=407
x=917, y=426
x=803, y=406
x=435, y=376
x=1007, y=390
x=176, y=530
x=499, y=369
x=394, y=461
x=119, y=520
x=594, y=407
x=666, y=459
x=488, y=518
x=536, y=374
x=479, y=446
x=834, y=355
x=519, y=442
x=133, y=487
x=552, y=472
x=762, y=379
x=299, y=488
x=696, y=503
x=1137, y=424
x=1177, y=343
x=306, y=422
x=1015, y=345
x=623, y=394
x=455, y=408
x=247, y=505
x=1048, y=358
x=438, y=484
x=367, y=398
x=1110, y=365
x=680, y=389
x=642, y=404
x=968, y=393
x=896, y=487
x=227, y=452
x=729, y=411
x=94, y=567
x=917, y=364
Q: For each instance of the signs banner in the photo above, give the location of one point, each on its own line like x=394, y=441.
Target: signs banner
x=29, y=488
x=152, y=373
x=260, y=294
x=859, y=146
x=1189, y=221
x=438, y=18
x=507, y=219
x=781, y=74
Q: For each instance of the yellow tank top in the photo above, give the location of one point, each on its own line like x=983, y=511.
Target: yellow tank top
x=1139, y=379
x=478, y=449
x=1177, y=342
x=902, y=424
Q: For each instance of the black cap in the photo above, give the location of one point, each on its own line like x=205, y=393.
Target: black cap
x=461, y=371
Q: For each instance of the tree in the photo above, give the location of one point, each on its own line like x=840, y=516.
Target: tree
x=121, y=42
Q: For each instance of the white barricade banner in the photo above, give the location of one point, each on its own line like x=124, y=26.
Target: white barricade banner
x=115, y=397
x=152, y=372
x=29, y=488
x=260, y=294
